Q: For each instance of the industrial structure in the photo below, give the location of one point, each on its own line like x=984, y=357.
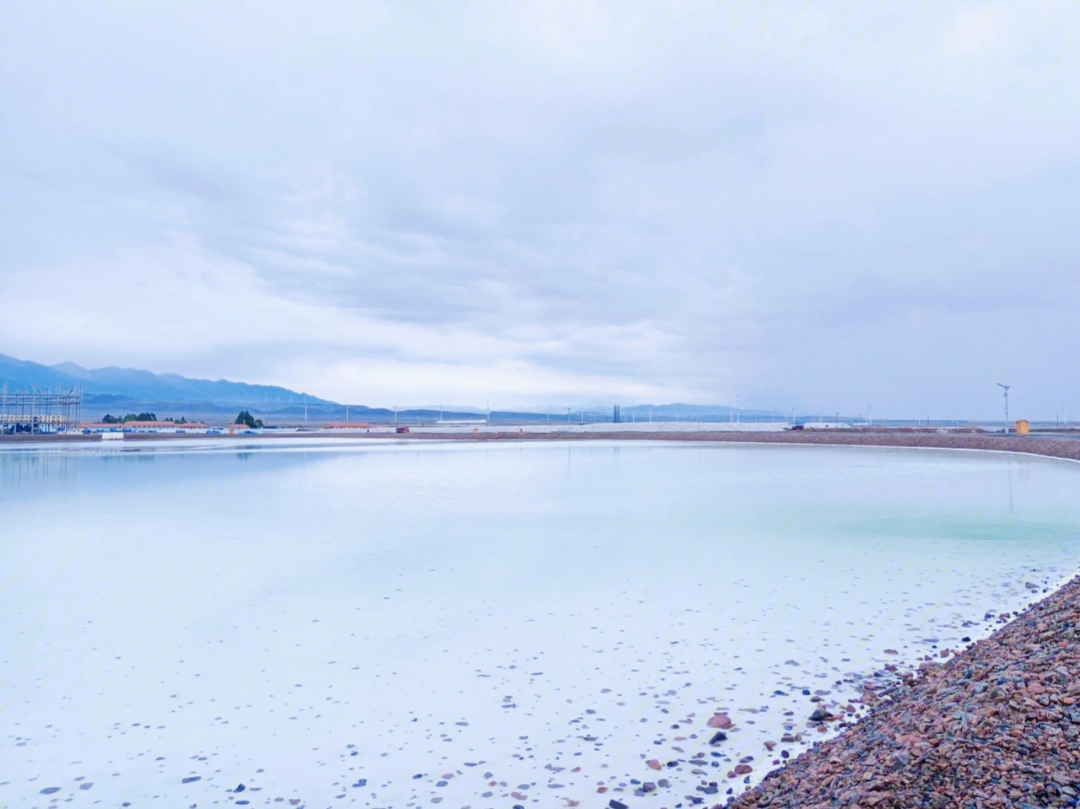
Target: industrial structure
x=31, y=410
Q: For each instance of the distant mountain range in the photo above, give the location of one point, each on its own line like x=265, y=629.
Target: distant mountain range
x=115, y=388
x=128, y=390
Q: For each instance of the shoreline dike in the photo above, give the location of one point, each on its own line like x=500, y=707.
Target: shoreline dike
x=1043, y=446
x=998, y=725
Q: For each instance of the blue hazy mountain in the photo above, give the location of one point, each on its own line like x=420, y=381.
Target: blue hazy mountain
x=130, y=384
x=123, y=390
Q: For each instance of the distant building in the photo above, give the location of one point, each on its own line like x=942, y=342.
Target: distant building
x=1023, y=427
x=144, y=427
x=99, y=427
x=148, y=426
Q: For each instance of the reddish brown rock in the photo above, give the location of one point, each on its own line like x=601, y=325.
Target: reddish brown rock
x=995, y=726
x=720, y=720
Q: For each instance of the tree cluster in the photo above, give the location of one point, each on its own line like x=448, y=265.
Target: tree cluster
x=129, y=417
x=108, y=419
x=248, y=420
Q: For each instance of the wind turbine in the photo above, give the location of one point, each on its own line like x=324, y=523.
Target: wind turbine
x=1006, y=389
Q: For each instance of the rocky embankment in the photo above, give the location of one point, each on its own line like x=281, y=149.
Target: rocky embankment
x=996, y=726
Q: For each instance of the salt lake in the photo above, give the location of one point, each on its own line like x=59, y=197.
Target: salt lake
x=402, y=624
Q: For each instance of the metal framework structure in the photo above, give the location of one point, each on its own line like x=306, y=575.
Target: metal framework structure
x=31, y=410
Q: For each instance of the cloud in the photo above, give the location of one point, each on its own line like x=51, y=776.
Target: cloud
x=552, y=201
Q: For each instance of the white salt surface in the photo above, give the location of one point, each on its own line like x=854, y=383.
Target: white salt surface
x=389, y=625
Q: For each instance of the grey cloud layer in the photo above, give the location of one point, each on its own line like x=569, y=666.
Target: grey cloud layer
x=811, y=201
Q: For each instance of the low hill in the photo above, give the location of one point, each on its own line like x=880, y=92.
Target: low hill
x=118, y=387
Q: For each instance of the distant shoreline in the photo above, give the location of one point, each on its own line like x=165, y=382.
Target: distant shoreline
x=1065, y=448
x=1049, y=447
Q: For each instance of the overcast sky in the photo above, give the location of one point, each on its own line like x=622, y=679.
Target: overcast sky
x=823, y=204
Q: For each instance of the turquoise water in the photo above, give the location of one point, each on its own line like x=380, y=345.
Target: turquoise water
x=515, y=624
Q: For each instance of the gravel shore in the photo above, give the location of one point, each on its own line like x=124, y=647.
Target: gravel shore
x=998, y=725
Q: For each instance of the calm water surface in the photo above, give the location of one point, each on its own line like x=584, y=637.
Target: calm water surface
x=397, y=625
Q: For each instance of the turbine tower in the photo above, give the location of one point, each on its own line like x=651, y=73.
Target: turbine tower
x=1006, y=389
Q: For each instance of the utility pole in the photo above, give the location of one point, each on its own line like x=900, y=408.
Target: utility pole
x=1006, y=388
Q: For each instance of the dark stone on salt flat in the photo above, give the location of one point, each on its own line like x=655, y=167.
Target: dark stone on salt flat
x=239, y=788
x=718, y=737
x=819, y=715
x=614, y=804
x=87, y=785
x=191, y=779
x=361, y=783
x=50, y=790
